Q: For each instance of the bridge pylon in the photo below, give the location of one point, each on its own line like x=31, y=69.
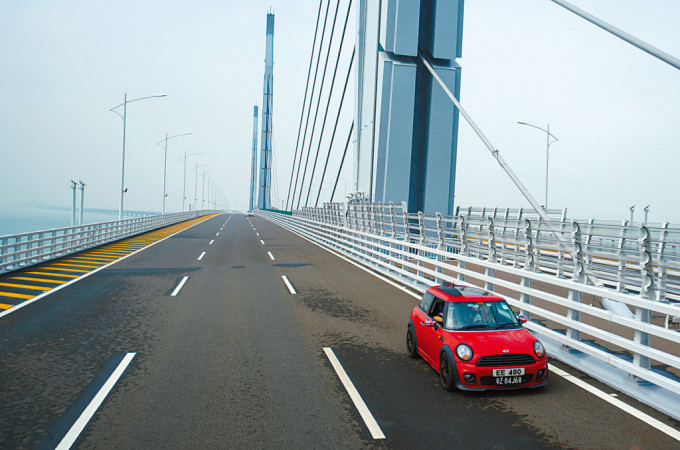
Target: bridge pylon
x=407, y=129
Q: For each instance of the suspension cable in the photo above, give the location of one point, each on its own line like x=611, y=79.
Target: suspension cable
x=304, y=99
x=349, y=136
x=311, y=100
x=335, y=128
x=318, y=102
x=330, y=94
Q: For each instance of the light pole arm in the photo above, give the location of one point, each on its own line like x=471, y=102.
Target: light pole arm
x=542, y=129
x=137, y=99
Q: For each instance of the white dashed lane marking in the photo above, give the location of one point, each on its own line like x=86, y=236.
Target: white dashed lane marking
x=179, y=287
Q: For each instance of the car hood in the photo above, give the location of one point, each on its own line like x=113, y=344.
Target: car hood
x=497, y=341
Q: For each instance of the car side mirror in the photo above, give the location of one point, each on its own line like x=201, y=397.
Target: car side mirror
x=522, y=319
x=437, y=322
x=428, y=323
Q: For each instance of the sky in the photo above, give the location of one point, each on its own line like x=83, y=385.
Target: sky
x=65, y=63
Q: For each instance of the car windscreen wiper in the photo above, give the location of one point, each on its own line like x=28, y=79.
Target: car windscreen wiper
x=503, y=325
x=467, y=327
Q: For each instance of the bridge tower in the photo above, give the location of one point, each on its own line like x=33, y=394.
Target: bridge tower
x=407, y=128
x=264, y=194
x=253, y=162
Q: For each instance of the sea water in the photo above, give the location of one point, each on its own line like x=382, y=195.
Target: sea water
x=24, y=219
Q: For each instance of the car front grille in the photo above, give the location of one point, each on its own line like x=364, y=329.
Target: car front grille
x=505, y=360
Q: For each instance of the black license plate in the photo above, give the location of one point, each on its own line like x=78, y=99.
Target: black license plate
x=503, y=381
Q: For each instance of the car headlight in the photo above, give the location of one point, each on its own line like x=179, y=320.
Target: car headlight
x=539, y=349
x=464, y=352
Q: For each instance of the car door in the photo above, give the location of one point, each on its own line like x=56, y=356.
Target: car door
x=421, y=319
x=431, y=341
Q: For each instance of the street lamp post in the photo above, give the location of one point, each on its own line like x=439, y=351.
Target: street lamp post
x=73, y=203
x=124, y=117
x=82, y=200
x=184, y=188
x=548, y=135
x=165, y=161
x=203, y=188
x=196, y=183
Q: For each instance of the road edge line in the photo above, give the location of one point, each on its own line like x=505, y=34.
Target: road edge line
x=623, y=406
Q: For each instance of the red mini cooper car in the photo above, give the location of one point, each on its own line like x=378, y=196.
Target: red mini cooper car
x=475, y=341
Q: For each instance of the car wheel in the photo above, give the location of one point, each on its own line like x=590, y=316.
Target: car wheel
x=446, y=373
x=411, y=343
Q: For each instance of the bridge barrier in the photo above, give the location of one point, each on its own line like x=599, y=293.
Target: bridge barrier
x=625, y=256
x=25, y=249
x=521, y=262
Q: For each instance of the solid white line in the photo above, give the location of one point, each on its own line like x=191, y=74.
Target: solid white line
x=201, y=257
x=372, y=425
x=262, y=241
x=85, y=417
x=670, y=431
x=290, y=287
x=179, y=286
x=211, y=242
x=271, y=256
x=85, y=275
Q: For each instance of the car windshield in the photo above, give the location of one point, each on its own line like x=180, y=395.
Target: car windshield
x=479, y=315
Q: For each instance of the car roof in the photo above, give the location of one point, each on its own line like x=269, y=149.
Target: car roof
x=460, y=293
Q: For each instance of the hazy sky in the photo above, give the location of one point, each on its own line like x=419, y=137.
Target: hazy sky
x=65, y=63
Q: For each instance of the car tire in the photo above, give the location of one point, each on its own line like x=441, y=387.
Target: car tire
x=411, y=343
x=446, y=372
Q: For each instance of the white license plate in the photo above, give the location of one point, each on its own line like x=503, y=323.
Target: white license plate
x=514, y=372
x=508, y=380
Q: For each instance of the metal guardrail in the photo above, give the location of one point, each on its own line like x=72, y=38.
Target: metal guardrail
x=420, y=251
x=21, y=250
x=625, y=256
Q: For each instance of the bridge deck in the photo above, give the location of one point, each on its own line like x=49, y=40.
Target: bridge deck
x=235, y=360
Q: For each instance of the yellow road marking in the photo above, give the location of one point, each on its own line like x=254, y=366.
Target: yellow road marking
x=54, y=274
x=25, y=286
x=5, y=306
x=93, y=258
x=10, y=294
x=67, y=270
x=69, y=262
x=42, y=280
x=75, y=265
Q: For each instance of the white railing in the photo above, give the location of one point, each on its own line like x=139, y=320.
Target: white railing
x=557, y=305
x=21, y=250
x=624, y=256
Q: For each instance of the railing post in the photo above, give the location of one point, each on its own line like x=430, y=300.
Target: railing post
x=440, y=247
x=661, y=264
x=647, y=290
x=464, y=248
x=421, y=242
x=577, y=276
x=621, y=274
x=407, y=234
x=489, y=272
x=529, y=265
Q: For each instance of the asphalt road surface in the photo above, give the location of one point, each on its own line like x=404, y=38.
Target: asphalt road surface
x=235, y=360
